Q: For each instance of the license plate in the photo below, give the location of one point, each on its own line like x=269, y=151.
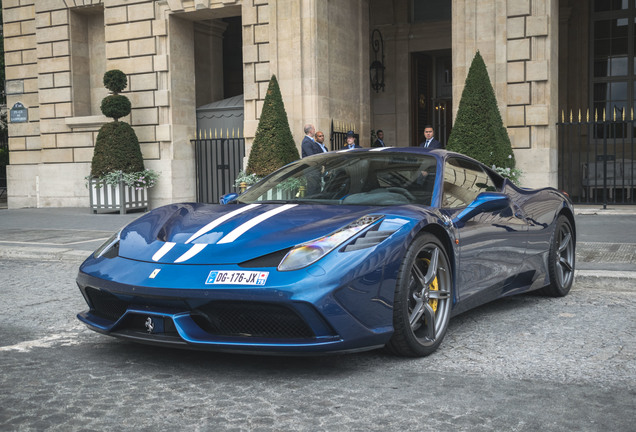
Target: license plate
x=231, y=277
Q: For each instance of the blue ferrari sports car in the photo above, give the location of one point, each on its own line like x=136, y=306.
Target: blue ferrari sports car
x=338, y=252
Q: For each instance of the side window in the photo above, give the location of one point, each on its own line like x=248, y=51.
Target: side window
x=463, y=181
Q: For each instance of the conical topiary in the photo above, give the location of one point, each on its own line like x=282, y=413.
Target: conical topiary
x=478, y=131
x=273, y=145
x=117, y=147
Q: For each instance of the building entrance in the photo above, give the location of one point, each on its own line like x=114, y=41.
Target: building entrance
x=432, y=101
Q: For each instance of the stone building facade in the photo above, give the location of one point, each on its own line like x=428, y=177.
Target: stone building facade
x=181, y=54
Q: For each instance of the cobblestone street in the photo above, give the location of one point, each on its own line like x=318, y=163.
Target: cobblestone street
x=522, y=363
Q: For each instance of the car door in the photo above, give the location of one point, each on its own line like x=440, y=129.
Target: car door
x=491, y=244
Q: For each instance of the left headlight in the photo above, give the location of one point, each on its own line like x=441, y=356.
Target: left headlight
x=302, y=255
x=110, y=248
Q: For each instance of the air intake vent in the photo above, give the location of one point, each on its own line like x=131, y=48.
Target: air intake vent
x=248, y=319
x=105, y=305
x=370, y=239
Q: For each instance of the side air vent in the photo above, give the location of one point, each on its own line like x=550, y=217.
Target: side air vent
x=370, y=239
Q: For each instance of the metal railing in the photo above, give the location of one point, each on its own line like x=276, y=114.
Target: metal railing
x=218, y=162
x=4, y=147
x=597, y=158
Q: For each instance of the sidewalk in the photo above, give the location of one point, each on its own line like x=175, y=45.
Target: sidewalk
x=606, y=246
x=62, y=234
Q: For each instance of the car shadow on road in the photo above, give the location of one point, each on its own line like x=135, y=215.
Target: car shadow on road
x=491, y=321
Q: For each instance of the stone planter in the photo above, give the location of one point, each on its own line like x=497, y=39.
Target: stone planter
x=106, y=198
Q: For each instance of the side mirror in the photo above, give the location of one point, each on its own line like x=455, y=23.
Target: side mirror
x=227, y=198
x=485, y=202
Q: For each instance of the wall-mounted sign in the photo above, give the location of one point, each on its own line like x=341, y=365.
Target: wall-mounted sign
x=18, y=113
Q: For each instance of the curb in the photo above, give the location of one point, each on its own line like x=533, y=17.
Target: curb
x=619, y=281
x=590, y=211
x=50, y=254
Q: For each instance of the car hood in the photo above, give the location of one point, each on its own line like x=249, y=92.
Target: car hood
x=231, y=234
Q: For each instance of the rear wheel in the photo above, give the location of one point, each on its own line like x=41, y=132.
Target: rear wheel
x=421, y=310
x=561, y=259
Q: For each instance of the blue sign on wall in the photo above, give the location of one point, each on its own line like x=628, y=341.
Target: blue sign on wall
x=18, y=113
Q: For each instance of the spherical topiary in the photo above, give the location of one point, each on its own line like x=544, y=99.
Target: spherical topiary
x=116, y=106
x=116, y=149
x=115, y=80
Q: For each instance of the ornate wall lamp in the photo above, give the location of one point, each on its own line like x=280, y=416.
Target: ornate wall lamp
x=376, y=70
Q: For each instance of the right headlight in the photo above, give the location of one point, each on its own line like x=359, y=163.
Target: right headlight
x=308, y=253
x=110, y=248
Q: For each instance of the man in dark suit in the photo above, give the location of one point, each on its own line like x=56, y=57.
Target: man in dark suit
x=380, y=141
x=429, y=138
x=309, y=145
x=351, y=141
x=320, y=140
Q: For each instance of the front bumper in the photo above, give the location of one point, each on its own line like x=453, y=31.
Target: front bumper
x=299, y=312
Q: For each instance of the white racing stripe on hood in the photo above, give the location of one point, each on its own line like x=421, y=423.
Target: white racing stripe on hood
x=209, y=227
x=164, y=250
x=242, y=229
x=195, y=249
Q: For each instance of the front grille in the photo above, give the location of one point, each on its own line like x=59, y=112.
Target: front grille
x=246, y=319
x=105, y=304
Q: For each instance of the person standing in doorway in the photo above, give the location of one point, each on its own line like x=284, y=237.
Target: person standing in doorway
x=429, y=138
x=380, y=141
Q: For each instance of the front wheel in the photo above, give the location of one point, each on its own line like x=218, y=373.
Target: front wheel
x=561, y=259
x=423, y=298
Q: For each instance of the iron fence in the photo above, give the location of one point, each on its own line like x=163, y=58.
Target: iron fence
x=4, y=160
x=218, y=162
x=597, y=163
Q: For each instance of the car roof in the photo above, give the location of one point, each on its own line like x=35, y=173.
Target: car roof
x=438, y=153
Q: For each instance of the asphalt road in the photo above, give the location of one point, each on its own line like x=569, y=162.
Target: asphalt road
x=525, y=363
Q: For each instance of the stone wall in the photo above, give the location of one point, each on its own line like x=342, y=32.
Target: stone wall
x=57, y=51
x=518, y=40
x=56, y=54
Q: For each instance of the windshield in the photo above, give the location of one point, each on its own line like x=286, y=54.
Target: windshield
x=356, y=178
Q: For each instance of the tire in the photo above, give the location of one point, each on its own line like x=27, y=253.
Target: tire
x=423, y=298
x=561, y=259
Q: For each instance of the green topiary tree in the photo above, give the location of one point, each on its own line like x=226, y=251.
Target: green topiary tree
x=273, y=145
x=478, y=131
x=117, y=147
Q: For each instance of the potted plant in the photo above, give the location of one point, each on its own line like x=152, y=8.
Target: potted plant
x=118, y=180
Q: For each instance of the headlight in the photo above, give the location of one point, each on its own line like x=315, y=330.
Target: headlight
x=109, y=248
x=308, y=253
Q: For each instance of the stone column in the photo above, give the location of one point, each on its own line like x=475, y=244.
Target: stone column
x=320, y=53
x=518, y=40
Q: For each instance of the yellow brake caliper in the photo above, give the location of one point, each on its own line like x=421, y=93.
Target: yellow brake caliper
x=432, y=287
